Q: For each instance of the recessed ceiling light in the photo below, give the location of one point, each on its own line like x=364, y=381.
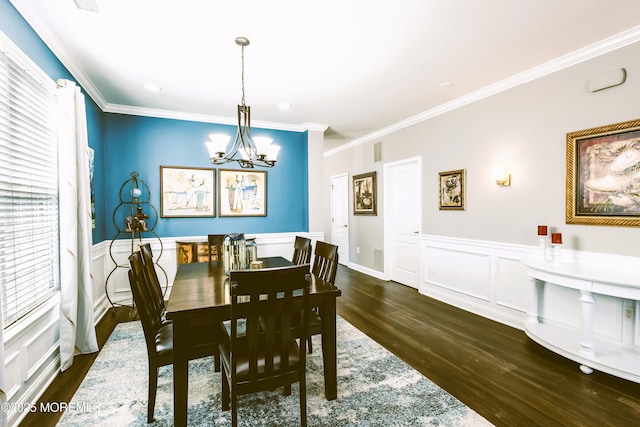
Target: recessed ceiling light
x=284, y=106
x=152, y=87
x=446, y=84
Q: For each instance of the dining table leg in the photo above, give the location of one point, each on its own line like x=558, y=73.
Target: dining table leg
x=180, y=372
x=328, y=316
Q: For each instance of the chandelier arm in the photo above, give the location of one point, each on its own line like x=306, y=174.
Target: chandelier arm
x=243, y=145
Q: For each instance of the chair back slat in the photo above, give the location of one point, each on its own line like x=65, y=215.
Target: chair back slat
x=150, y=316
x=325, y=263
x=301, y=250
x=155, y=288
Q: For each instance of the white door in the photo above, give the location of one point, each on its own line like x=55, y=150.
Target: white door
x=340, y=216
x=403, y=203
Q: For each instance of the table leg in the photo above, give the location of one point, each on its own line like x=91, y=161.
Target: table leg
x=180, y=372
x=329, y=358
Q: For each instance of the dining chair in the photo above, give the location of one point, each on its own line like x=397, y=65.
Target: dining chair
x=159, y=335
x=266, y=355
x=325, y=267
x=215, y=244
x=301, y=251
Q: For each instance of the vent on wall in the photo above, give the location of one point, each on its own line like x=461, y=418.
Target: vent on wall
x=377, y=152
x=607, y=80
x=378, y=259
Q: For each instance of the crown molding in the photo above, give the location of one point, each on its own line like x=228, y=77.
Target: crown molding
x=206, y=118
x=600, y=48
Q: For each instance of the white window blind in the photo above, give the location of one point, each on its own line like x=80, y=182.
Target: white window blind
x=29, y=254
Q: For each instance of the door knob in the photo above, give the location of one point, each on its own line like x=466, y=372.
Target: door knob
x=416, y=232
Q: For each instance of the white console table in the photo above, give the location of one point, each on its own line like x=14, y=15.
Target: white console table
x=581, y=345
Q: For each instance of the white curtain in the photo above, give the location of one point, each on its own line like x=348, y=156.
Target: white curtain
x=3, y=386
x=77, y=329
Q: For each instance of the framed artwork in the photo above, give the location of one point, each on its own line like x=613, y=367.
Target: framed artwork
x=603, y=175
x=365, y=194
x=452, y=190
x=242, y=193
x=187, y=192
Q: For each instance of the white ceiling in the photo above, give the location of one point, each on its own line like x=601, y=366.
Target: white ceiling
x=356, y=66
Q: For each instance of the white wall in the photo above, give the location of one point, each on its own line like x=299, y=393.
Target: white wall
x=524, y=129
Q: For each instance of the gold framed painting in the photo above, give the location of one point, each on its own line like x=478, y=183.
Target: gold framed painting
x=603, y=175
x=452, y=190
x=365, y=194
x=187, y=192
x=242, y=193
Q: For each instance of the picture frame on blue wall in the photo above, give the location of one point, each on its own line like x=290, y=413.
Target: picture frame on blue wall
x=242, y=193
x=187, y=192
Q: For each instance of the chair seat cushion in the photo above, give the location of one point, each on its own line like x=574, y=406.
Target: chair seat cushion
x=203, y=341
x=242, y=359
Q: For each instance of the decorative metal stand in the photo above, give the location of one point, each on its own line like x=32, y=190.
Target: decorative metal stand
x=134, y=217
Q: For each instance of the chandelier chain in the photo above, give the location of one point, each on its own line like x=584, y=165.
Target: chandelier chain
x=242, y=54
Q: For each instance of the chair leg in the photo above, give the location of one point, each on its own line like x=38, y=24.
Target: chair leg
x=303, y=400
x=234, y=407
x=225, y=390
x=153, y=386
x=216, y=362
x=310, y=345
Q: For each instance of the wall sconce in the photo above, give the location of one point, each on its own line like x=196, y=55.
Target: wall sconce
x=502, y=178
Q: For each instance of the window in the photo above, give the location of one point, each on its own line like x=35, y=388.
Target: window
x=29, y=254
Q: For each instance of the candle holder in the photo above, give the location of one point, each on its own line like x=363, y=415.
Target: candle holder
x=542, y=241
x=556, y=242
x=556, y=254
x=545, y=250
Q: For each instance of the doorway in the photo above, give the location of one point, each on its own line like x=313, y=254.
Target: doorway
x=402, y=220
x=340, y=216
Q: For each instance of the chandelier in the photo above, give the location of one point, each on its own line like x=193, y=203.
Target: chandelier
x=247, y=151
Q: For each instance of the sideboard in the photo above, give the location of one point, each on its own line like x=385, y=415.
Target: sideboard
x=581, y=344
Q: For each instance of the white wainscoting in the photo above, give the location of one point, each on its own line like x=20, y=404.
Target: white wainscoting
x=486, y=278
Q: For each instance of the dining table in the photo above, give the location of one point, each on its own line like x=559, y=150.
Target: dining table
x=202, y=292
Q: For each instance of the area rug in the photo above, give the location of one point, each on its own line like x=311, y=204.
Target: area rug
x=375, y=388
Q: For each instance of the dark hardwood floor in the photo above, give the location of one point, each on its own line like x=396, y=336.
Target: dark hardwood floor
x=494, y=369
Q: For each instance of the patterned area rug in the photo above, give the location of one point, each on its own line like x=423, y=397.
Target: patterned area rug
x=375, y=388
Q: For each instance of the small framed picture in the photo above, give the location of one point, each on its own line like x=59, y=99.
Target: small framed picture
x=242, y=193
x=187, y=192
x=452, y=190
x=364, y=194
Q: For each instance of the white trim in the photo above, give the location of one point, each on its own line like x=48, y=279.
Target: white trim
x=604, y=46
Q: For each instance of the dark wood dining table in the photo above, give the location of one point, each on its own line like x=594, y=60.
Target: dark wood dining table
x=201, y=292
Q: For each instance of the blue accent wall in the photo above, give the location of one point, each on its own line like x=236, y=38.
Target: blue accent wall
x=124, y=143
x=143, y=144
